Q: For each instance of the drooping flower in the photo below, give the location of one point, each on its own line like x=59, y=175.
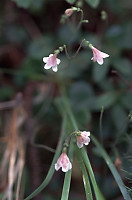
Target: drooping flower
x=98, y=55
x=64, y=162
x=51, y=61
x=83, y=138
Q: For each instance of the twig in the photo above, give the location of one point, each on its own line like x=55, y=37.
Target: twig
x=13, y=103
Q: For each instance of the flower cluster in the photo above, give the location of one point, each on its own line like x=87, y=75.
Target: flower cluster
x=63, y=161
x=52, y=61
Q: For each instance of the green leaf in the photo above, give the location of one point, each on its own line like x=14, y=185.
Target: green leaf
x=80, y=94
x=86, y=182
x=106, y=100
x=6, y=92
x=119, y=116
x=71, y=1
x=99, y=72
x=29, y=3
x=98, y=193
x=23, y=3
x=93, y=3
x=126, y=101
x=123, y=65
x=52, y=167
x=41, y=47
x=67, y=180
x=75, y=67
x=112, y=169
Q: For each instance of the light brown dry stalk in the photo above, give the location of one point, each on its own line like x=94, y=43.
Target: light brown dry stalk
x=12, y=104
x=21, y=165
x=13, y=160
x=13, y=154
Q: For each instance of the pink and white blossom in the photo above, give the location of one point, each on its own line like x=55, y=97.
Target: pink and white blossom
x=98, y=55
x=83, y=138
x=64, y=162
x=51, y=61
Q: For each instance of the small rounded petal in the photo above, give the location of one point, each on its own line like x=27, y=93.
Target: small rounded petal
x=45, y=59
x=104, y=55
x=100, y=61
x=47, y=66
x=63, y=162
x=58, y=61
x=51, y=61
x=54, y=68
x=50, y=55
x=83, y=138
x=98, y=55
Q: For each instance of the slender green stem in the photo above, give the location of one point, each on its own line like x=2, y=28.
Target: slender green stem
x=67, y=180
x=100, y=125
x=66, y=52
x=41, y=145
x=81, y=19
x=52, y=167
x=78, y=48
x=86, y=182
x=98, y=193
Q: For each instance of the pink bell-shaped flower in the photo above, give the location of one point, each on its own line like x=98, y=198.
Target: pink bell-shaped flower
x=83, y=138
x=98, y=55
x=51, y=61
x=64, y=162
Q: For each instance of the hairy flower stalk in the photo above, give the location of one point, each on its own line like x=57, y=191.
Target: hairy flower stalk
x=83, y=138
x=64, y=162
x=51, y=62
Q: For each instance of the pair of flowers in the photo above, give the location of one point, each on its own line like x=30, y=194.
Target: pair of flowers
x=52, y=61
x=63, y=161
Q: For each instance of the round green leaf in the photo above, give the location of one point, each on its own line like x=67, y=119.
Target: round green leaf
x=71, y=1
x=93, y=3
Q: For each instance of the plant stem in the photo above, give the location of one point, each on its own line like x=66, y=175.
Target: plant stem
x=100, y=125
x=79, y=25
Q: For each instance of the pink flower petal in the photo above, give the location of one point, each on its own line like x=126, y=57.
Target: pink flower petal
x=63, y=162
x=100, y=60
x=58, y=61
x=45, y=59
x=54, y=68
x=98, y=55
x=47, y=66
x=83, y=138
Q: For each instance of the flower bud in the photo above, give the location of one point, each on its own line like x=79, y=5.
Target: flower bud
x=69, y=12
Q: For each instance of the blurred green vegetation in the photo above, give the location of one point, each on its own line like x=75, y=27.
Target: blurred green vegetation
x=31, y=30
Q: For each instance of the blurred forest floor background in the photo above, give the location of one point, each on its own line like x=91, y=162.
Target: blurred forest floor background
x=30, y=30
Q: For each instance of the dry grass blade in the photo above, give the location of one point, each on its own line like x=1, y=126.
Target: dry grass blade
x=12, y=164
